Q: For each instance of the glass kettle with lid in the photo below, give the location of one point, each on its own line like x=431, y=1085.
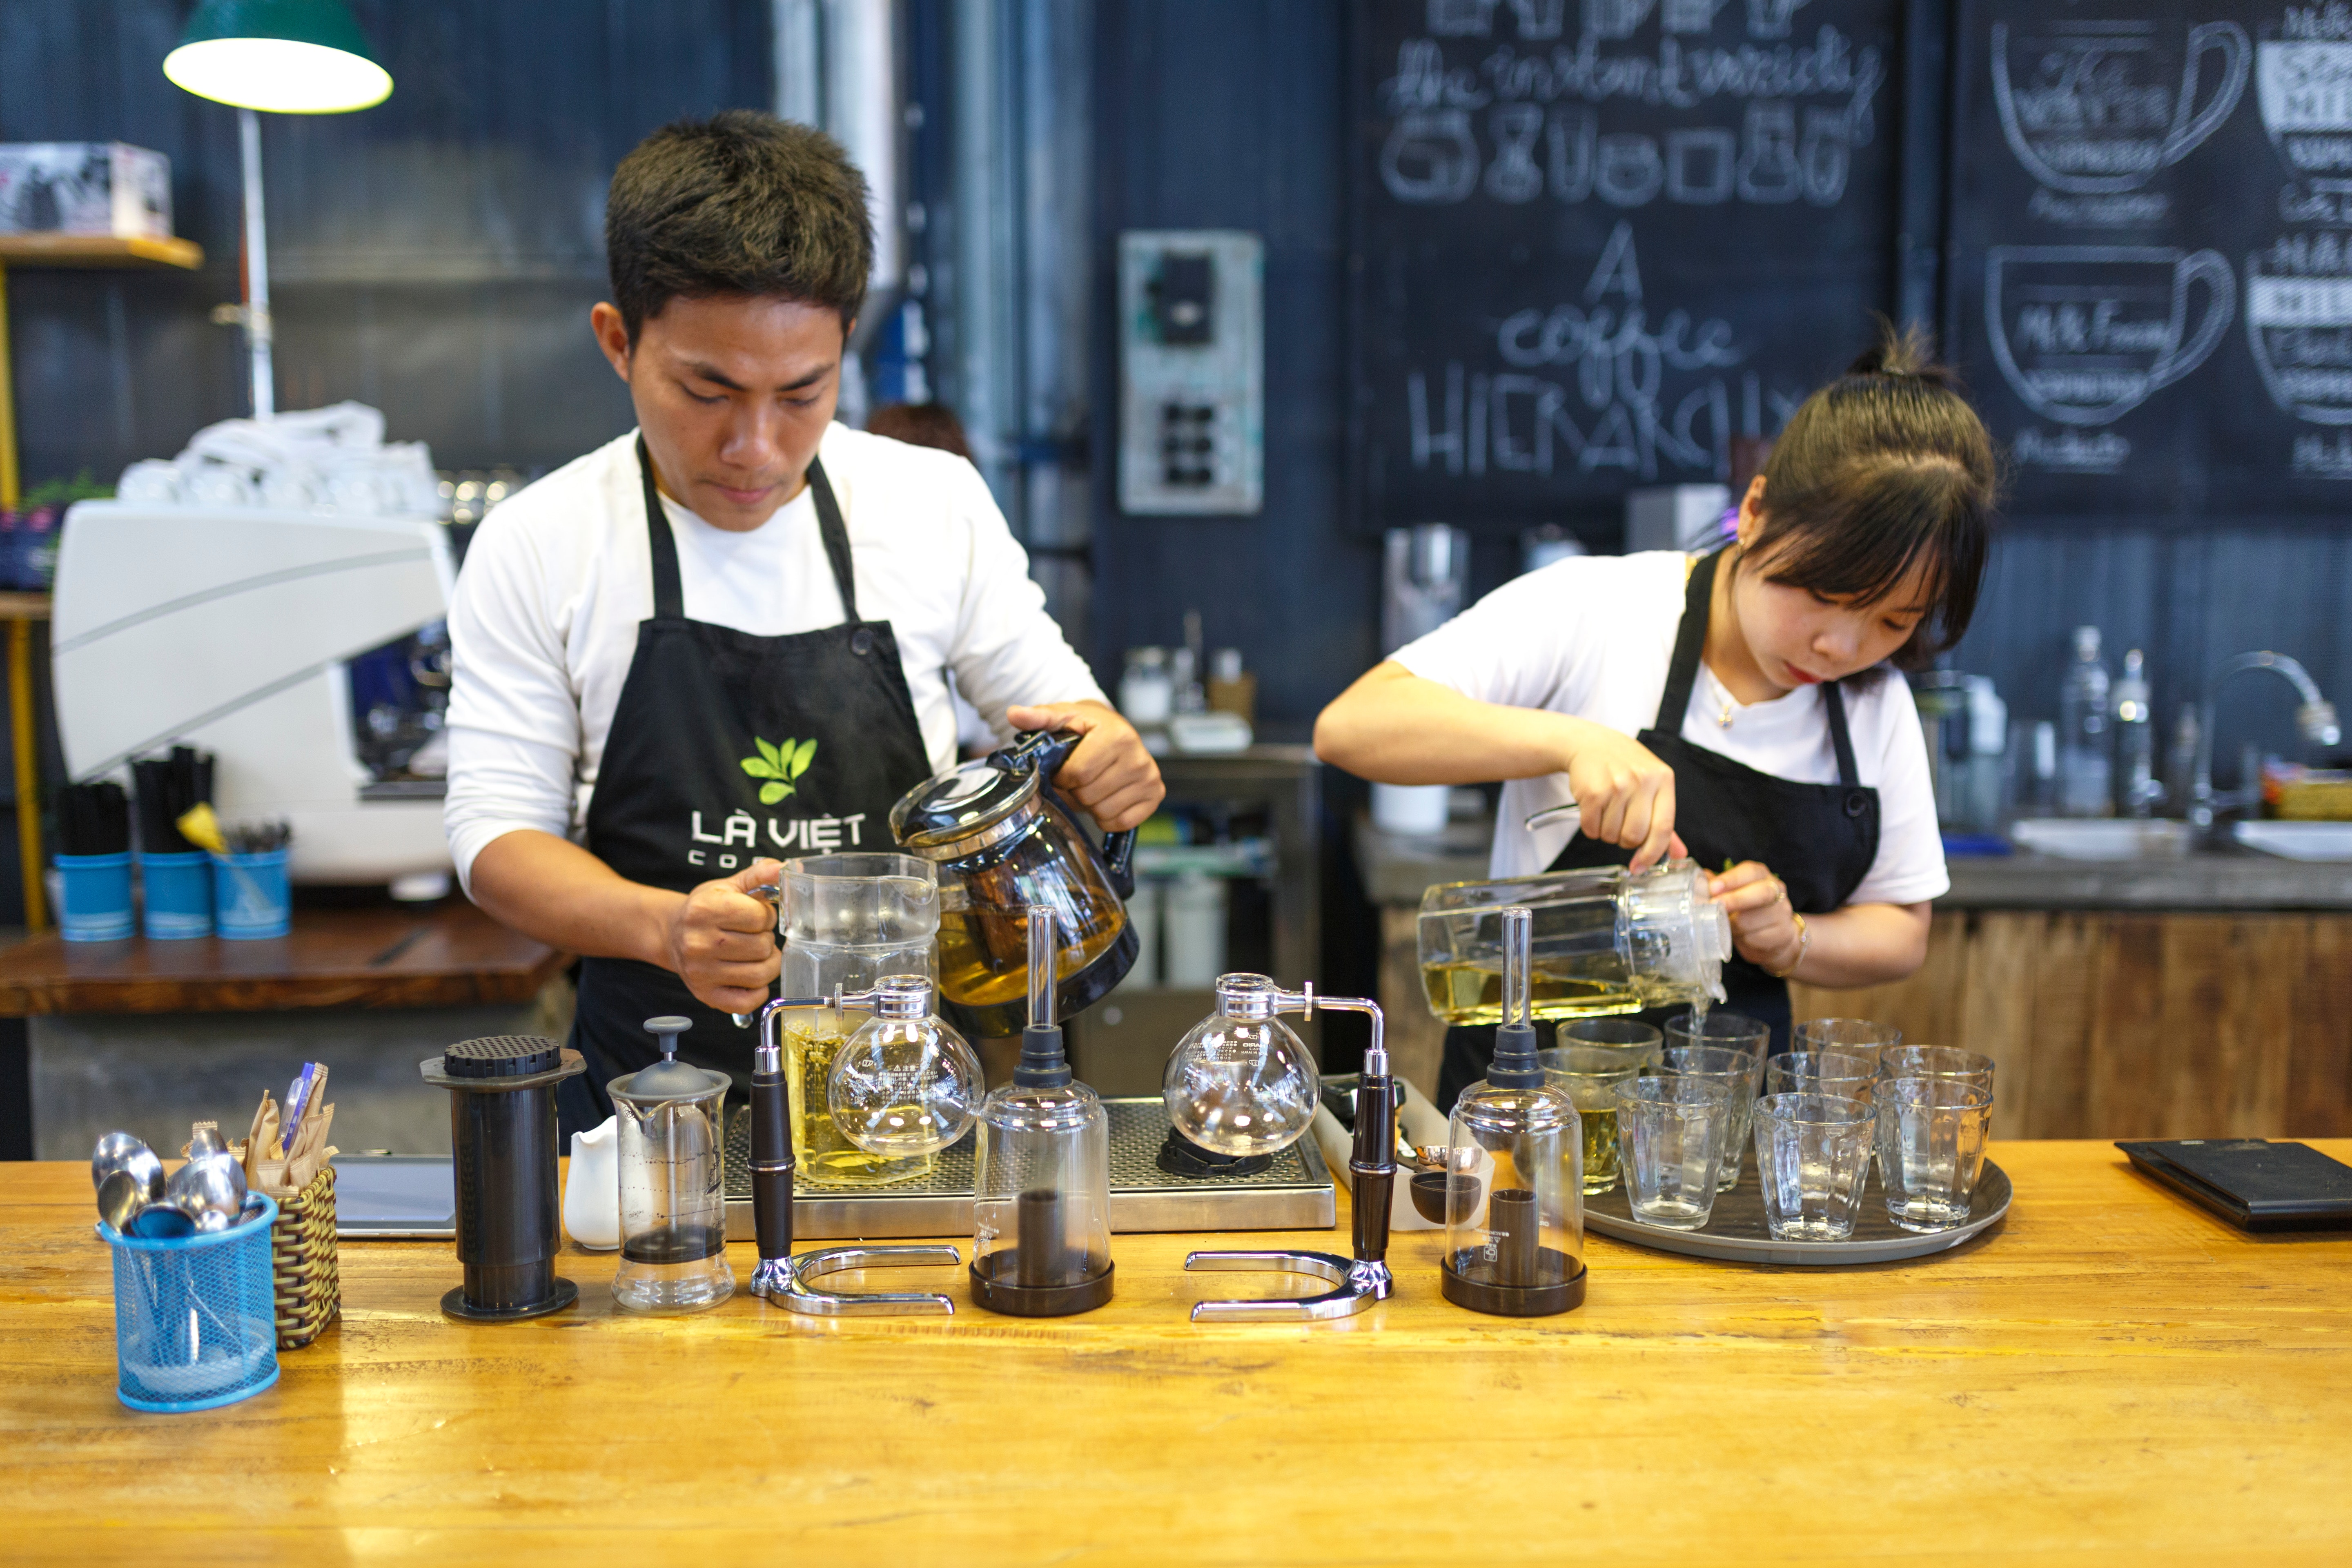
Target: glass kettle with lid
x=1004, y=842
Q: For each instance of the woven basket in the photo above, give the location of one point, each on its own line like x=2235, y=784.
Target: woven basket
x=303, y=1263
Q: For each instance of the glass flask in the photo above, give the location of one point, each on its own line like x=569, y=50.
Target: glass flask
x=673, y=1189
x=1605, y=941
x=1003, y=843
x=1241, y=1083
x=847, y=922
x=904, y=1086
x=1514, y=1169
x=1040, y=1176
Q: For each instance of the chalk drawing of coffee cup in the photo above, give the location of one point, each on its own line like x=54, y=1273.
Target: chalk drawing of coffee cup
x=2093, y=107
x=2304, y=88
x=2299, y=330
x=2084, y=334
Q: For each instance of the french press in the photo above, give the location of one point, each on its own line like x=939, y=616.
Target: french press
x=903, y=1084
x=1003, y=840
x=673, y=1191
x=1515, y=1170
x=1241, y=1083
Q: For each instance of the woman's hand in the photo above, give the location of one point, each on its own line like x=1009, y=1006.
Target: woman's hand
x=1763, y=922
x=1626, y=796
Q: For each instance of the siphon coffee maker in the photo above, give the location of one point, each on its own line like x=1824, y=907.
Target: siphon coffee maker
x=1240, y=1082
x=1605, y=940
x=1515, y=1170
x=1004, y=840
x=1041, y=1178
x=673, y=1186
x=904, y=1082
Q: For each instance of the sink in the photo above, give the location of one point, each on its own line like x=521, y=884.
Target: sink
x=2102, y=838
x=2297, y=840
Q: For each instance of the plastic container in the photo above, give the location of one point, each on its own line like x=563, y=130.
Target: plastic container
x=94, y=898
x=179, y=895
x=251, y=898
x=502, y=1138
x=195, y=1317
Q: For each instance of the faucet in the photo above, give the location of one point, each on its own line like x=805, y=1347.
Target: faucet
x=2314, y=718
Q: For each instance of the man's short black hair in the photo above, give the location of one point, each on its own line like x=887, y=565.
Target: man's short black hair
x=741, y=203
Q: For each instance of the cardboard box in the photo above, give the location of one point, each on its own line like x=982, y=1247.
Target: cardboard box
x=85, y=187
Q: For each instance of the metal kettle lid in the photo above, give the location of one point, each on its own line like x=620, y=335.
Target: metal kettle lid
x=945, y=811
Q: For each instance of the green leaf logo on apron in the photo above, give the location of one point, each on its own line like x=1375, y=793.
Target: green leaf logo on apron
x=779, y=765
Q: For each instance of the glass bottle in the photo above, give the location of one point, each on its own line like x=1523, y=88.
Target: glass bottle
x=2085, y=747
x=1605, y=941
x=1515, y=1170
x=2135, y=738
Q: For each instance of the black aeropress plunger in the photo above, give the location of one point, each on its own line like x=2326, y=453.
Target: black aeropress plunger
x=503, y=1147
x=1043, y=1171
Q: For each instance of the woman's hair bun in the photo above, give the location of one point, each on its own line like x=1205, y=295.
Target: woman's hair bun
x=1904, y=351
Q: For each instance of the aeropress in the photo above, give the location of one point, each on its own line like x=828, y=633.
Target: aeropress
x=1514, y=1177
x=502, y=1143
x=904, y=1084
x=1241, y=1083
x=1041, y=1181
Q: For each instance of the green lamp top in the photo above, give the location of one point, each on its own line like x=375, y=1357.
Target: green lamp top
x=290, y=57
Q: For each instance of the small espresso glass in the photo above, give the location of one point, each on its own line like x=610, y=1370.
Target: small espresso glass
x=1813, y=1152
x=1849, y=1074
x=1936, y=1061
x=1589, y=1072
x=1931, y=1142
x=1740, y=1073
x=1862, y=1035
x=1671, y=1134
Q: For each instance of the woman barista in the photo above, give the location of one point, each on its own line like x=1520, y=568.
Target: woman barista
x=1734, y=708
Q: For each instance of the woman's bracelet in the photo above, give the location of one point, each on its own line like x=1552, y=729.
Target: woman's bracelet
x=1804, y=941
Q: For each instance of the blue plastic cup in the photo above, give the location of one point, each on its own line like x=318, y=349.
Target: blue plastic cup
x=250, y=896
x=195, y=1317
x=94, y=897
x=179, y=895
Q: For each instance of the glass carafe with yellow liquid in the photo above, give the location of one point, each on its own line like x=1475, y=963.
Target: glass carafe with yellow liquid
x=1004, y=844
x=849, y=922
x=1605, y=940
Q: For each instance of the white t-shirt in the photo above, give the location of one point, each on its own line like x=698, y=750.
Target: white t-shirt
x=1592, y=636
x=544, y=621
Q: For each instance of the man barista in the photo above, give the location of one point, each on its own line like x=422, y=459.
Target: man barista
x=727, y=636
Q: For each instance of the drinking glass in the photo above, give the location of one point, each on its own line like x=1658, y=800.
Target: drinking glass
x=1931, y=1144
x=1727, y=1031
x=1936, y=1061
x=1740, y=1073
x=1846, y=1035
x=1812, y=1152
x=1590, y=1071
x=1848, y=1074
x=1671, y=1133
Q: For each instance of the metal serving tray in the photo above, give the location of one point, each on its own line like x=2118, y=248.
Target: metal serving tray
x=1736, y=1232
x=1293, y=1193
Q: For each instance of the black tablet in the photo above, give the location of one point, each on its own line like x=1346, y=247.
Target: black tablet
x=2253, y=1183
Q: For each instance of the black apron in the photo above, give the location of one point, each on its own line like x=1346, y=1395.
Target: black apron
x=1820, y=840
x=726, y=747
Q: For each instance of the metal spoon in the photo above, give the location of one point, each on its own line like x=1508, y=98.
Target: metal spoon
x=119, y=1153
x=205, y=1138
x=210, y=1190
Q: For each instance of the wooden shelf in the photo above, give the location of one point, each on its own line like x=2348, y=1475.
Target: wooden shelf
x=22, y=606
x=97, y=250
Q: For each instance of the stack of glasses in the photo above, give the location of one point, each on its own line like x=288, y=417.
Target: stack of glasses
x=1673, y=1114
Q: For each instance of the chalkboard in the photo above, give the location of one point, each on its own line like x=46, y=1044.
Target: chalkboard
x=1596, y=241
x=2150, y=277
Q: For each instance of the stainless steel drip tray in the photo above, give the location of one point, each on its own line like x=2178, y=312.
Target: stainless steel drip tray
x=1293, y=1193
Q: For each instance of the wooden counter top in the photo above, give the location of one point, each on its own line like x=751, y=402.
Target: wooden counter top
x=451, y=954
x=2115, y=1376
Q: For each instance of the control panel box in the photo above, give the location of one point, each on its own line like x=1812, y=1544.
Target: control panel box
x=1191, y=371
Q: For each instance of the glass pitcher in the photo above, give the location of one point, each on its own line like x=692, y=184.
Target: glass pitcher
x=1605, y=941
x=848, y=923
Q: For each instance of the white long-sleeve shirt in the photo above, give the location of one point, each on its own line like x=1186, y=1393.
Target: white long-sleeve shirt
x=544, y=621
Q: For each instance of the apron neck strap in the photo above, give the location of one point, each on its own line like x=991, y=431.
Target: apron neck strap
x=669, y=598
x=1690, y=642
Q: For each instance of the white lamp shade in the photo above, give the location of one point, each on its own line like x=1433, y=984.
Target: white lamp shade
x=279, y=75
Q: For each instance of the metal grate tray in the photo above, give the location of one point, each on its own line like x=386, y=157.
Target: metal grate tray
x=1293, y=1193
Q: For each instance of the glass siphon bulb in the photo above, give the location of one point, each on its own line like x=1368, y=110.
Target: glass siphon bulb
x=904, y=1087
x=1241, y=1086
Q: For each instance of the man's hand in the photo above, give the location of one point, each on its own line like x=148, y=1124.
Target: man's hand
x=722, y=940
x=1109, y=772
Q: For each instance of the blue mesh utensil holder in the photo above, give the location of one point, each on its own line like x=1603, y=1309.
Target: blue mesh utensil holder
x=195, y=1318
